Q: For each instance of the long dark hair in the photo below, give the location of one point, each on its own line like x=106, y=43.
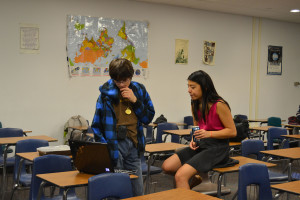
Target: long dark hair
x=209, y=94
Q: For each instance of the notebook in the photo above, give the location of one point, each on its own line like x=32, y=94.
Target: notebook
x=91, y=157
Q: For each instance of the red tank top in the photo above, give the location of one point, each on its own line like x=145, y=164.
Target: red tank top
x=213, y=122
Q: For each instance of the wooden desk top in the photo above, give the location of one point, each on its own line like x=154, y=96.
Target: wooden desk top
x=29, y=155
x=292, y=136
x=68, y=178
x=163, y=147
x=175, y=194
x=234, y=144
x=291, y=187
x=180, y=132
x=14, y=140
x=292, y=153
x=261, y=128
x=243, y=160
x=177, y=123
x=291, y=125
x=258, y=120
x=81, y=128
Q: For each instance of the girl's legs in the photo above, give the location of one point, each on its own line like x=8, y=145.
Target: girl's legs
x=173, y=166
x=183, y=176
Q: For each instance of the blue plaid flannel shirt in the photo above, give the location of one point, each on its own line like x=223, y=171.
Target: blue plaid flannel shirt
x=104, y=122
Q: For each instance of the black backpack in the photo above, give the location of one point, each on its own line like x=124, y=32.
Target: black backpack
x=160, y=119
x=242, y=129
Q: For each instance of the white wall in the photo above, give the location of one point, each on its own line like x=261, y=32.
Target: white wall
x=38, y=94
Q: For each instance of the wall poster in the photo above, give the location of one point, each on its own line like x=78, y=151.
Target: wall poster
x=209, y=52
x=29, y=38
x=92, y=42
x=274, y=66
x=181, y=51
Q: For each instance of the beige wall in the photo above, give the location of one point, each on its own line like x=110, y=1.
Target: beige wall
x=37, y=93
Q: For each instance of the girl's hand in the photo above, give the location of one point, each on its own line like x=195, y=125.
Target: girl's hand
x=200, y=134
x=193, y=145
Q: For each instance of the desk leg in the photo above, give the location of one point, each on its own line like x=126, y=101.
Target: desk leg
x=66, y=193
x=41, y=190
x=290, y=171
x=219, y=194
x=4, y=172
x=147, y=190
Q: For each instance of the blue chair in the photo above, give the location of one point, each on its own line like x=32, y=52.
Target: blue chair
x=23, y=180
x=274, y=134
x=50, y=164
x=153, y=169
x=253, y=147
x=274, y=121
x=189, y=121
x=253, y=173
x=9, y=132
x=160, y=132
x=109, y=185
x=149, y=134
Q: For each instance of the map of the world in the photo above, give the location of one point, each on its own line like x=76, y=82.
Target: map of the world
x=92, y=42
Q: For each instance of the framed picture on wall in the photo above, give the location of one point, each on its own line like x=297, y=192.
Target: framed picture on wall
x=274, y=66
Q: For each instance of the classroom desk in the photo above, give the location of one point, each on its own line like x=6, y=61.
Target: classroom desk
x=181, y=133
x=260, y=129
x=66, y=180
x=292, y=187
x=261, y=121
x=175, y=194
x=290, y=153
x=242, y=161
x=12, y=141
x=159, y=148
x=177, y=123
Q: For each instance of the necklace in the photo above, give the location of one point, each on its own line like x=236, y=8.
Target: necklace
x=127, y=110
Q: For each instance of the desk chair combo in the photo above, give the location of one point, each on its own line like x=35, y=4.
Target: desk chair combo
x=4, y=160
x=253, y=147
x=49, y=164
x=253, y=173
x=189, y=121
x=109, y=185
x=160, y=132
x=153, y=170
x=22, y=179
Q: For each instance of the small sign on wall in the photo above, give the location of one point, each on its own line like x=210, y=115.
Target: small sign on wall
x=274, y=60
x=29, y=38
x=209, y=52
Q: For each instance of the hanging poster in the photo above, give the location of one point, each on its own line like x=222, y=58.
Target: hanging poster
x=92, y=43
x=209, y=52
x=274, y=66
x=181, y=51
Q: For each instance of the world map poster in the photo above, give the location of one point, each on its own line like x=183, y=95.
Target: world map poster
x=93, y=42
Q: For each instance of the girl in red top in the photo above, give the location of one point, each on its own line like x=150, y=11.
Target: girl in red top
x=212, y=114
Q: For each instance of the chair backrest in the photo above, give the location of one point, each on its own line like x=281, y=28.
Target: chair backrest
x=47, y=164
x=274, y=121
x=109, y=185
x=22, y=146
x=148, y=135
x=275, y=133
x=252, y=147
x=0, y=125
x=10, y=132
x=189, y=121
x=166, y=126
x=253, y=173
